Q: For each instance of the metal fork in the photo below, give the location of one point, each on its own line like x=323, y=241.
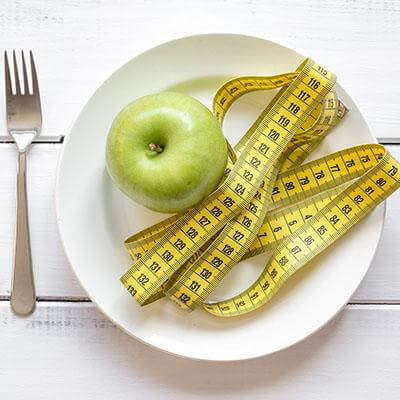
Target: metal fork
x=24, y=122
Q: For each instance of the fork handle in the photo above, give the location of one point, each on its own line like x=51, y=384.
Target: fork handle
x=23, y=295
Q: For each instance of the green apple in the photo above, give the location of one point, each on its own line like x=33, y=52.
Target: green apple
x=166, y=151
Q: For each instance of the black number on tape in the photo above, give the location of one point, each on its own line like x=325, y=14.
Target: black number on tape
x=303, y=95
x=283, y=121
x=143, y=279
x=247, y=175
x=154, y=267
x=195, y=286
x=369, y=190
x=132, y=290
x=228, y=202
x=246, y=222
x=273, y=134
x=393, y=171
x=192, y=233
x=358, y=199
x=289, y=185
x=205, y=273
x=216, y=211
x=263, y=148
x=346, y=209
x=294, y=108
x=167, y=256
x=240, y=189
x=381, y=182
x=228, y=250
x=295, y=250
x=308, y=240
x=334, y=219
x=180, y=244
x=238, y=236
x=255, y=162
x=252, y=208
x=313, y=83
x=184, y=298
x=365, y=158
x=204, y=221
x=254, y=295
x=319, y=174
x=265, y=285
x=334, y=168
x=283, y=261
x=216, y=262
x=304, y=181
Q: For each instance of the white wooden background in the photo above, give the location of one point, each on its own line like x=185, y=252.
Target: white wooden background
x=68, y=349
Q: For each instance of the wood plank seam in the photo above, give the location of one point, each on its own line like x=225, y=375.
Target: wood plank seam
x=60, y=140
x=38, y=140
x=81, y=299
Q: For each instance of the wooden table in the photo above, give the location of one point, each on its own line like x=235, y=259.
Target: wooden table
x=69, y=350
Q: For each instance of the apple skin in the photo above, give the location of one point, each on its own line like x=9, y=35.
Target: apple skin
x=193, y=157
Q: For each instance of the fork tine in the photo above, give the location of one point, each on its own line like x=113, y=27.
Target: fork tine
x=17, y=86
x=35, y=85
x=26, y=84
x=7, y=75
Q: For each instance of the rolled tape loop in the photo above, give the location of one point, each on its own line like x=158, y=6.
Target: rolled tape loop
x=267, y=201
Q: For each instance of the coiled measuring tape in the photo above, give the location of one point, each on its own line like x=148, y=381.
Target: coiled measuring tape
x=267, y=201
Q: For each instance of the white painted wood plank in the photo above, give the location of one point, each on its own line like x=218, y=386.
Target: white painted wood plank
x=54, y=277
x=80, y=42
x=382, y=282
x=66, y=352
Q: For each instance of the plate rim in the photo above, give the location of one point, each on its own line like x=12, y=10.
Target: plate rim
x=59, y=220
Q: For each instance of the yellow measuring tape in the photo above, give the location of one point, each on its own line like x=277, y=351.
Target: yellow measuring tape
x=267, y=201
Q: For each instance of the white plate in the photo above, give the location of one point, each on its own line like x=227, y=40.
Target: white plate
x=94, y=217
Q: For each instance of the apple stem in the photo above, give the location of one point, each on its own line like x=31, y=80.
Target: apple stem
x=155, y=147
